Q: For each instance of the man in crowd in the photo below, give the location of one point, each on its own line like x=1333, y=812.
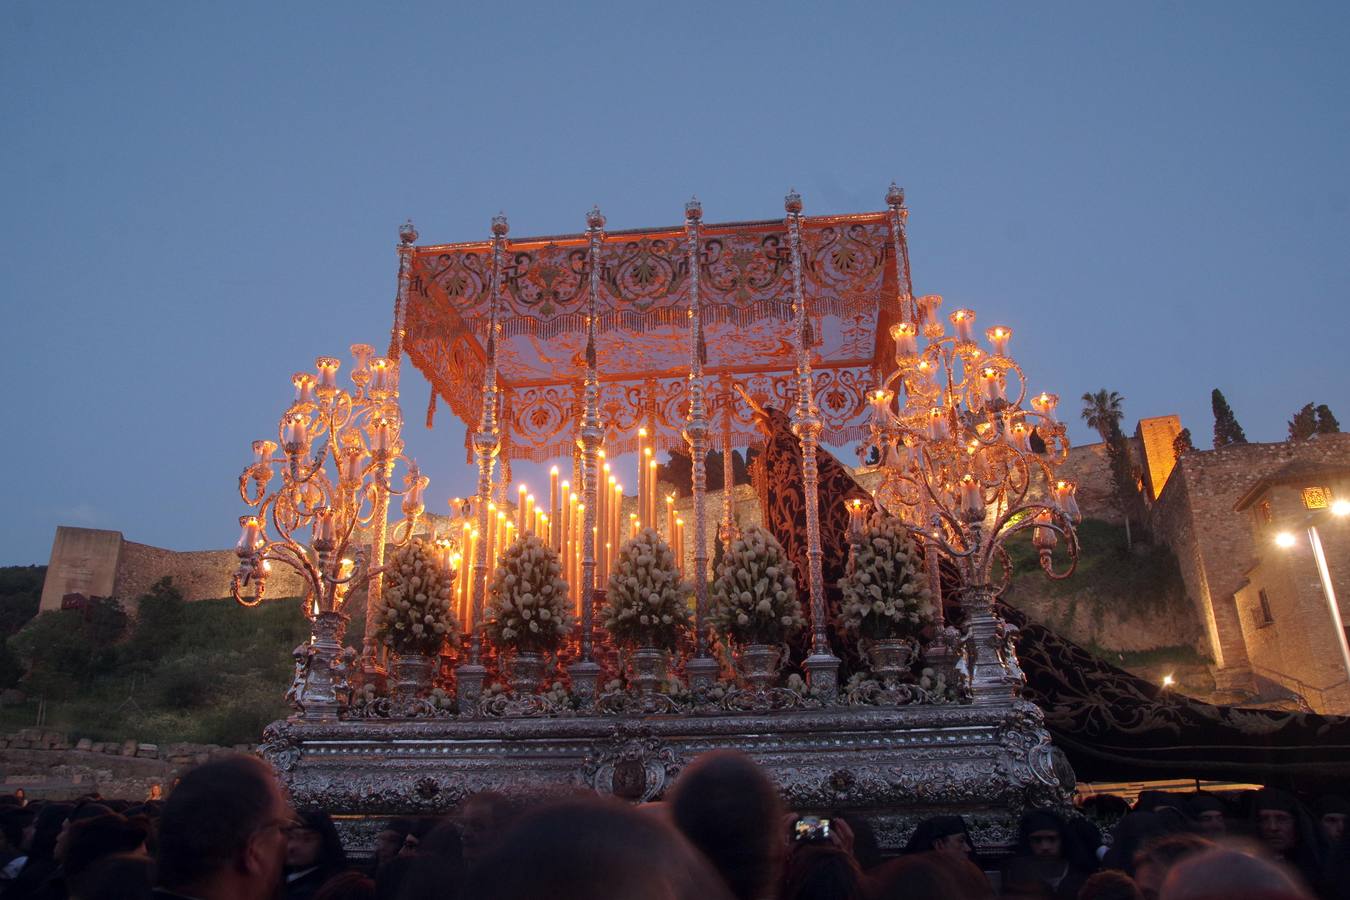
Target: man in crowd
x=223, y=833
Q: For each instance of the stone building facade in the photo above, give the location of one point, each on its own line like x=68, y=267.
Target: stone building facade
x=1295, y=636
x=1196, y=515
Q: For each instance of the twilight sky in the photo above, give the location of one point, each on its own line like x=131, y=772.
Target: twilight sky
x=198, y=199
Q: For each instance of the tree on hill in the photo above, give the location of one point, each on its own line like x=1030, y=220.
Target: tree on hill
x=1103, y=410
x=1182, y=444
x=1226, y=428
x=1304, y=423
x=1326, y=422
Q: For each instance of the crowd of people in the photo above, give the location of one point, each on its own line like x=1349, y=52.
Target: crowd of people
x=228, y=832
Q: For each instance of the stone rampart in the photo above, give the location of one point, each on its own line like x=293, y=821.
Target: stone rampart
x=47, y=764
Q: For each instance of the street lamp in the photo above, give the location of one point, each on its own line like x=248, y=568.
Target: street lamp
x=1286, y=539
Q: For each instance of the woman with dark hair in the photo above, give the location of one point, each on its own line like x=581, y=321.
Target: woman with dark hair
x=314, y=854
x=821, y=872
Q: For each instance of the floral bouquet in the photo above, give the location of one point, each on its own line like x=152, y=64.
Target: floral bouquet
x=885, y=589
x=754, y=598
x=528, y=610
x=647, y=604
x=415, y=617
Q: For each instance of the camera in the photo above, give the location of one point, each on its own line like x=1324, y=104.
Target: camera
x=811, y=829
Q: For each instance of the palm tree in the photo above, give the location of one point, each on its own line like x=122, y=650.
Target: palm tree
x=1103, y=411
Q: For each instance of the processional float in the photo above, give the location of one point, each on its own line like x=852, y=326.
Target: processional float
x=569, y=347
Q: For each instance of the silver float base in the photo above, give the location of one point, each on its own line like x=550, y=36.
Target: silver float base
x=893, y=766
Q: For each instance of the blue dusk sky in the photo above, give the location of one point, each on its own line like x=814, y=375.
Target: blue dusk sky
x=199, y=198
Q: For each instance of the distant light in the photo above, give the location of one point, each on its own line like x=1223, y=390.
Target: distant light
x=1168, y=681
x=1285, y=539
x=1340, y=508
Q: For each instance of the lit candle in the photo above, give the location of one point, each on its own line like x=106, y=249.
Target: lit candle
x=998, y=339
x=880, y=398
x=554, y=502
x=855, y=518
x=490, y=539
x=603, y=501
x=1065, y=500
x=564, y=514
x=1045, y=404
x=520, y=508
x=530, y=519
x=963, y=321
x=679, y=543
x=972, y=499
x=250, y=533
x=472, y=544
x=1019, y=436
x=262, y=451
x=381, y=435
x=499, y=542
x=546, y=529
x=304, y=387
x=328, y=369
x=670, y=518
x=991, y=384
x=634, y=526
x=905, y=335
x=937, y=423
x=616, y=518
x=649, y=515
x=641, y=471
x=379, y=374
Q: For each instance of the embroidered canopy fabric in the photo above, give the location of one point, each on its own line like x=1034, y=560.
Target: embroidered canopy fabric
x=642, y=327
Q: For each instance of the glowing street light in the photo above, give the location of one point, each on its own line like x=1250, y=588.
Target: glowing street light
x=1286, y=540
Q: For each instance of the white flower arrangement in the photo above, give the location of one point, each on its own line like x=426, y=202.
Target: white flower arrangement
x=754, y=597
x=647, y=603
x=416, y=615
x=528, y=610
x=885, y=589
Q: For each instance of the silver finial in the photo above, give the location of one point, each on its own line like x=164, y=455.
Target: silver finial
x=595, y=219
x=499, y=225
x=792, y=202
x=693, y=210
x=895, y=196
x=407, y=234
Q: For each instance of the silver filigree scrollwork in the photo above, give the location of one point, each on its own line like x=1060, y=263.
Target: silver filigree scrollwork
x=634, y=764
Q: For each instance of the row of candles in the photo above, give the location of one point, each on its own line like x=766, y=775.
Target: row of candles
x=560, y=524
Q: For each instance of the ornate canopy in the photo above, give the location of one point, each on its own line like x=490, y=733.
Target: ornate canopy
x=745, y=290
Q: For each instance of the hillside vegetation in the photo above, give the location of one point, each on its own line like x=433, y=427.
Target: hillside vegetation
x=1127, y=605
x=209, y=671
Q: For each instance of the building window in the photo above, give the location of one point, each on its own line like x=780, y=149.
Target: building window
x=1266, y=617
x=1316, y=497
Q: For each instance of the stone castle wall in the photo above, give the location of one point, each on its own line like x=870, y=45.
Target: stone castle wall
x=1214, y=544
